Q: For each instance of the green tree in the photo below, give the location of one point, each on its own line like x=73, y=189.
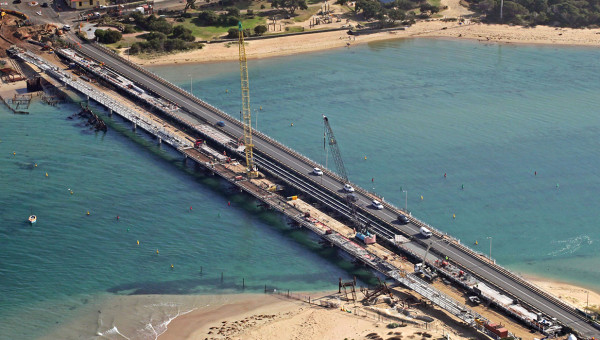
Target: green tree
x=232, y=12
x=174, y=44
x=208, y=18
x=260, y=29
x=370, y=8
x=394, y=15
x=108, y=36
x=161, y=26
x=289, y=5
x=189, y=4
x=232, y=33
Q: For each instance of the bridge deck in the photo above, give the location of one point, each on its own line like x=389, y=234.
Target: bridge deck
x=294, y=168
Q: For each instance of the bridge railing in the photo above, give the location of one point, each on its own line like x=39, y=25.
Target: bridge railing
x=225, y=116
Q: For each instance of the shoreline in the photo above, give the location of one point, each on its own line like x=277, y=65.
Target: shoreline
x=435, y=29
x=268, y=316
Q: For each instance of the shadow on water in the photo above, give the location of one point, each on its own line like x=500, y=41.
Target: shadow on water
x=241, y=200
x=229, y=284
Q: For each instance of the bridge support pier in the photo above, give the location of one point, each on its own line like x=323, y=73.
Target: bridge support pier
x=134, y=126
x=110, y=112
x=159, y=140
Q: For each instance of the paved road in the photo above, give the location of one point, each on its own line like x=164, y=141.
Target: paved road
x=468, y=261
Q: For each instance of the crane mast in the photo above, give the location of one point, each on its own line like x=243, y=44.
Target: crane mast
x=246, y=117
x=329, y=138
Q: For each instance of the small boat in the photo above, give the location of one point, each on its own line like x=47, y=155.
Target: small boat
x=32, y=219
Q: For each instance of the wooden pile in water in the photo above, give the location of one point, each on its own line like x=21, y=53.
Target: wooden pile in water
x=92, y=119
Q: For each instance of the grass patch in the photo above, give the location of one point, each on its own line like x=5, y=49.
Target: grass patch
x=293, y=29
x=124, y=43
x=213, y=32
x=435, y=2
x=306, y=14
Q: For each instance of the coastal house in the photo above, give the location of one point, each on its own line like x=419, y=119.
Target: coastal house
x=87, y=4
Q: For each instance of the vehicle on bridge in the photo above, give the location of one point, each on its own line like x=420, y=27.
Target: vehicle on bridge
x=220, y=123
x=425, y=232
x=377, y=205
x=317, y=172
x=402, y=219
x=66, y=28
x=348, y=188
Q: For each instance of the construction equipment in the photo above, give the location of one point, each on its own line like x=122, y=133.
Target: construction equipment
x=352, y=289
x=251, y=170
x=422, y=269
x=329, y=139
x=372, y=295
x=335, y=150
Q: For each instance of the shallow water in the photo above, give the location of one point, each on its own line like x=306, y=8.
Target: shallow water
x=70, y=262
x=488, y=121
x=488, y=116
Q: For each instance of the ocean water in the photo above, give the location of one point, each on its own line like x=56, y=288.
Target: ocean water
x=71, y=264
x=489, y=116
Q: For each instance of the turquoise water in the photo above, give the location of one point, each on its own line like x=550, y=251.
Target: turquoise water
x=486, y=115
x=52, y=271
x=489, y=116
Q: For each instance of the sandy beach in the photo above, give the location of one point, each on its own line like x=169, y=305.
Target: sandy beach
x=278, y=317
x=424, y=29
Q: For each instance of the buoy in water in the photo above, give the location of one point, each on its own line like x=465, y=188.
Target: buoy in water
x=138, y=242
x=421, y=197
x=365, y=158
x=462, y=187
x=88, y=213
x=292, y=124
x=46, y=174
x=557, y=185
x=453, y=215
x=535, y=173
x=117, y=217
x=35, y=165
x=14, y=153
x=172, y=266
x=226, y=90
x=261, y=107
x=228, y=203
x=476, y=242
x=444, y=175
x=190, y=208
x=157, y=251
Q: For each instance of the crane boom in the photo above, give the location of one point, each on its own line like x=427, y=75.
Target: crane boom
x=328, y=137
x=246, y=117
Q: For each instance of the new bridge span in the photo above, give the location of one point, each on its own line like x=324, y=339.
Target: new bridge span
x=296, y=169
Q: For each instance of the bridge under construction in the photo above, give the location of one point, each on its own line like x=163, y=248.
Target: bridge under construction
x=211, y=138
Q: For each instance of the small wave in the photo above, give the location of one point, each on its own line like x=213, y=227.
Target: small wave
x=112, y=331
x=571, y=245
x=163, y=326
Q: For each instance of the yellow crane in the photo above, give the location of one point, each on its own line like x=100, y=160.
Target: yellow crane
x=246, y=117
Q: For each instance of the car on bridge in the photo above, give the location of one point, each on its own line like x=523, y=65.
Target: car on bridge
x=402, y=219
x=317, y=172
x=348, y=188
x=377, y=205
x=220, y=123
x=352, y=197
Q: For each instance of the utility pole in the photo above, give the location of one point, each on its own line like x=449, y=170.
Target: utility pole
x=501, y=6
x=191, y=89
x=405, y=200
x=490, y=238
